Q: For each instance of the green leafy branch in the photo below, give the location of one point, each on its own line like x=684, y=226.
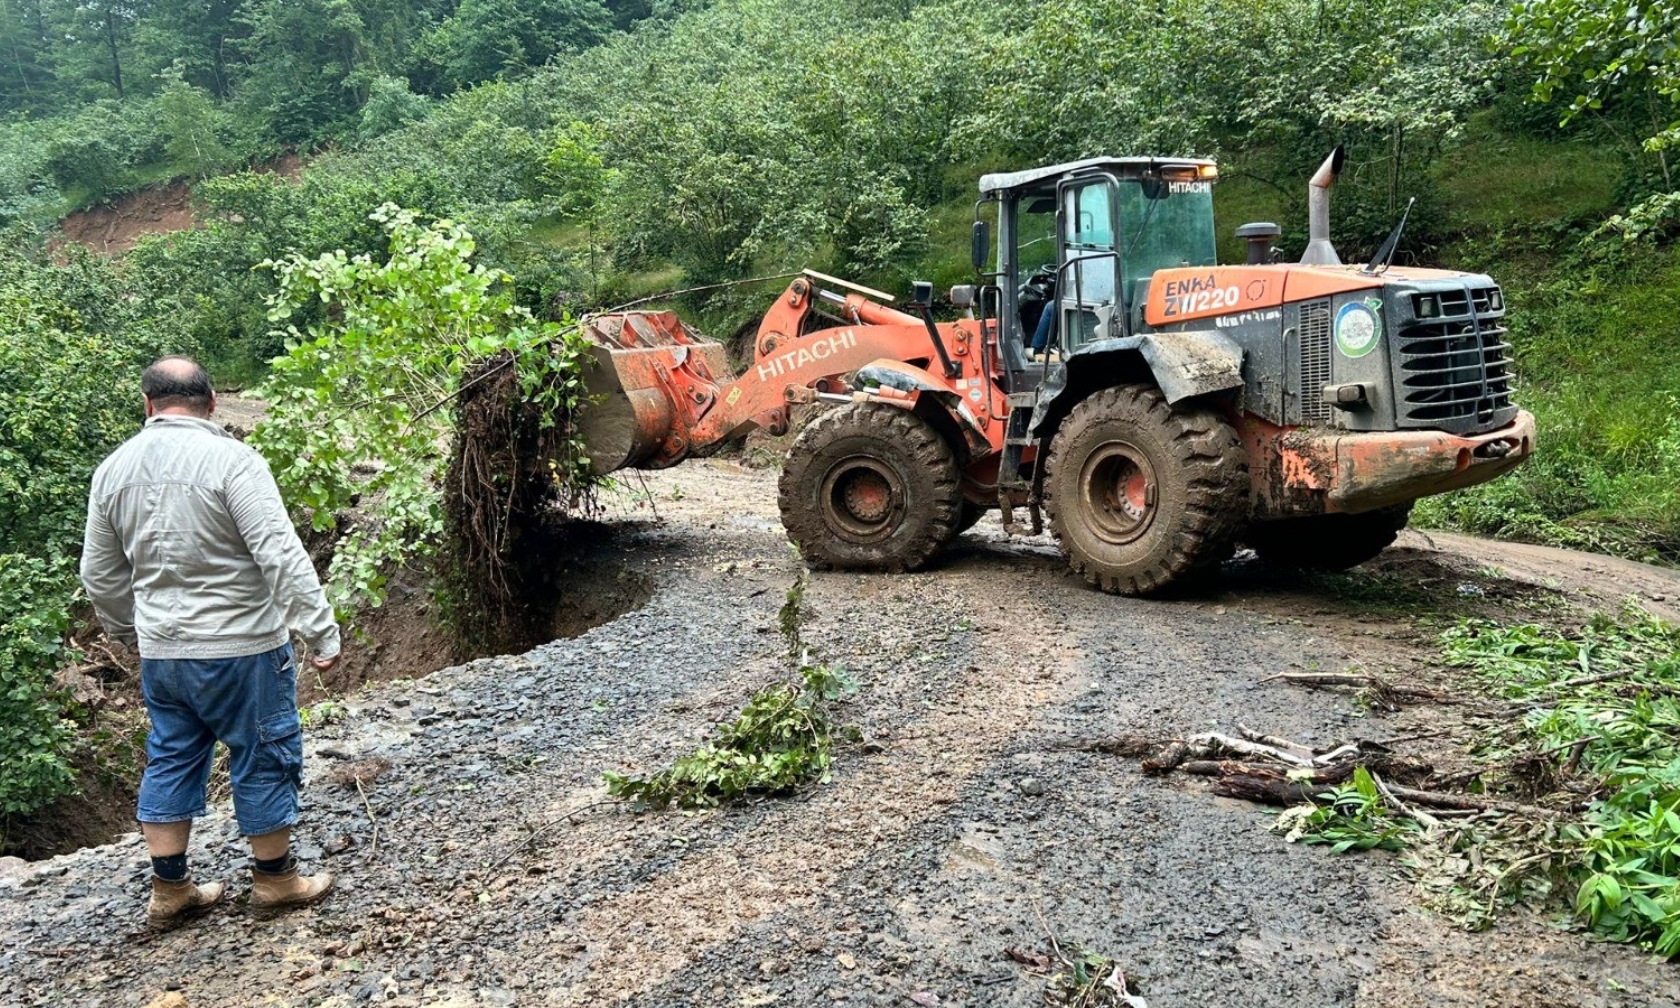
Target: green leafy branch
x=1351, y=817
x=374, y=350
x=782, y=740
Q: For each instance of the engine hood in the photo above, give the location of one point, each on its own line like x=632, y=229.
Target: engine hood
x=1197, y=292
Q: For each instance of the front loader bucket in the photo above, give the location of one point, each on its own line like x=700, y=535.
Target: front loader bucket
x=652, y=379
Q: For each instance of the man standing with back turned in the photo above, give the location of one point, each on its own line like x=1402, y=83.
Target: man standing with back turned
x=190, y=556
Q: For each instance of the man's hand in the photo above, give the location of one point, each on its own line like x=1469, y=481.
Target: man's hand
x=323, y=664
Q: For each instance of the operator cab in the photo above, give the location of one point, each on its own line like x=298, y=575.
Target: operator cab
x=1081, y=240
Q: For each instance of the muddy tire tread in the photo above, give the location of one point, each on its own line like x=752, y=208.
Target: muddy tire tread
x=1202, y=446
x=968, y=516
x=935, y=519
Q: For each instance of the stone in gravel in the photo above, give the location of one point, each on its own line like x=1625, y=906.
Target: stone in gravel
x=1030, y=786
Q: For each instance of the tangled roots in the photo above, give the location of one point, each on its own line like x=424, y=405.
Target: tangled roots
x=506, y=490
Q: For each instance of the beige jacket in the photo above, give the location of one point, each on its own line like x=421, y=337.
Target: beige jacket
x=189, y=552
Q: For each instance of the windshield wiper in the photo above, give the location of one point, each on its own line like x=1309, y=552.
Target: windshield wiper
x=1385, y=255
x=1143, y=225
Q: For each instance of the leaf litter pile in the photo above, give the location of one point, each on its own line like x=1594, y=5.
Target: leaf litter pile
x=1571, y=801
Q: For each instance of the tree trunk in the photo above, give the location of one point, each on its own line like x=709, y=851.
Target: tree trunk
x=111, y=44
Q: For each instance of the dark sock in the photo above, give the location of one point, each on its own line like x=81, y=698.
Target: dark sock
x=276, y=866
x=171, y=869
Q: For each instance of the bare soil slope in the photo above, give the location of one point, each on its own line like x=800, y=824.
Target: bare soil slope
x=116, y=227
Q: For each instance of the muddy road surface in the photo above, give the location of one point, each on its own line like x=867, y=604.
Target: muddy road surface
x=463, y=809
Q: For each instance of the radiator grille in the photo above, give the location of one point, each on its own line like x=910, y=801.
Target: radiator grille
x=1455, y=371
x=1315, y=361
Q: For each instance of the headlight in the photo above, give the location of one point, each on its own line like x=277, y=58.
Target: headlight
x=1426, y=306
x=1496, y=300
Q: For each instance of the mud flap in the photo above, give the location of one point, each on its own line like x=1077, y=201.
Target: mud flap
x=919, y=385
x=1183, y=365
x=1188, y=364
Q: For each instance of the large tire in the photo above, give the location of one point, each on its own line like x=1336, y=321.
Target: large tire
x=1332, y=542
x=970, y=516
x=870, y=487
x=1141, y=493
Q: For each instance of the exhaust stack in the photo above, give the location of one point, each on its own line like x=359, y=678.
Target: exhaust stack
x=1319, y=250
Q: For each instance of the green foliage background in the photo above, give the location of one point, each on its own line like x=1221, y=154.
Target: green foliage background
x=73, y=336
x=600, y=151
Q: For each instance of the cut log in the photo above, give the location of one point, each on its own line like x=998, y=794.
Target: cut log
x=1268, y=790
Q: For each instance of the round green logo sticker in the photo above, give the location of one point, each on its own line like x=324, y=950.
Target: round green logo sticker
x=1358, y=327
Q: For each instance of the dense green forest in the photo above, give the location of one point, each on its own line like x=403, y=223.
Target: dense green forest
x=600, y=152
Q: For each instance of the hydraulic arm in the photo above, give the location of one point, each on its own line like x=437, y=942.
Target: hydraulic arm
x=663, y=393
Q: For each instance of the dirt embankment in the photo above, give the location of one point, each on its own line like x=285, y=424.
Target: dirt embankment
x=462, y=809
x=115, y=227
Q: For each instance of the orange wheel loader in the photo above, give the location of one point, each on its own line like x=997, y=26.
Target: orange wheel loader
x=1176, y=409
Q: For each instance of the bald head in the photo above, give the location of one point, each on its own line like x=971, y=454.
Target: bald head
x=177, y=385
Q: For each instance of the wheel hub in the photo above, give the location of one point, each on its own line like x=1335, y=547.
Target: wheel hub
x=862, y=498
x=1118, y=491
x=868, y=497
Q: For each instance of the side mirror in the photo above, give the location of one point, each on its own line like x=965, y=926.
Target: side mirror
x=982, y=248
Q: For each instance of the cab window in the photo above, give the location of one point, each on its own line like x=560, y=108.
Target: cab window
x=1091, y=233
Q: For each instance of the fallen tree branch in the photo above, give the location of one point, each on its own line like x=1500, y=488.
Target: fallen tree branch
x=1420, y=736
x=1323, y=679
x=1382, y=690
x=1337, y=754
x=1472, y=802
x=545, y=827
x=1282, y=744
x=1271, y=788
x=1589, y=680
x=1387, y=790
x=1580, y=743
x=1213, y=744
x=373, y=820
x=1130, y=746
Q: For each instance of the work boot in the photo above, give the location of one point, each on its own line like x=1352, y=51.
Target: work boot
x=274, y=893
x=174, y=902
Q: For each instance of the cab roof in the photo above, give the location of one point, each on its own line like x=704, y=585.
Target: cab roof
x=1122, y=166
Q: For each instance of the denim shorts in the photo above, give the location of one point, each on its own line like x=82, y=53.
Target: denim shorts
x=250, y=705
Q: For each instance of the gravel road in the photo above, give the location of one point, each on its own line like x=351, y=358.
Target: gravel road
x=964, y=827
